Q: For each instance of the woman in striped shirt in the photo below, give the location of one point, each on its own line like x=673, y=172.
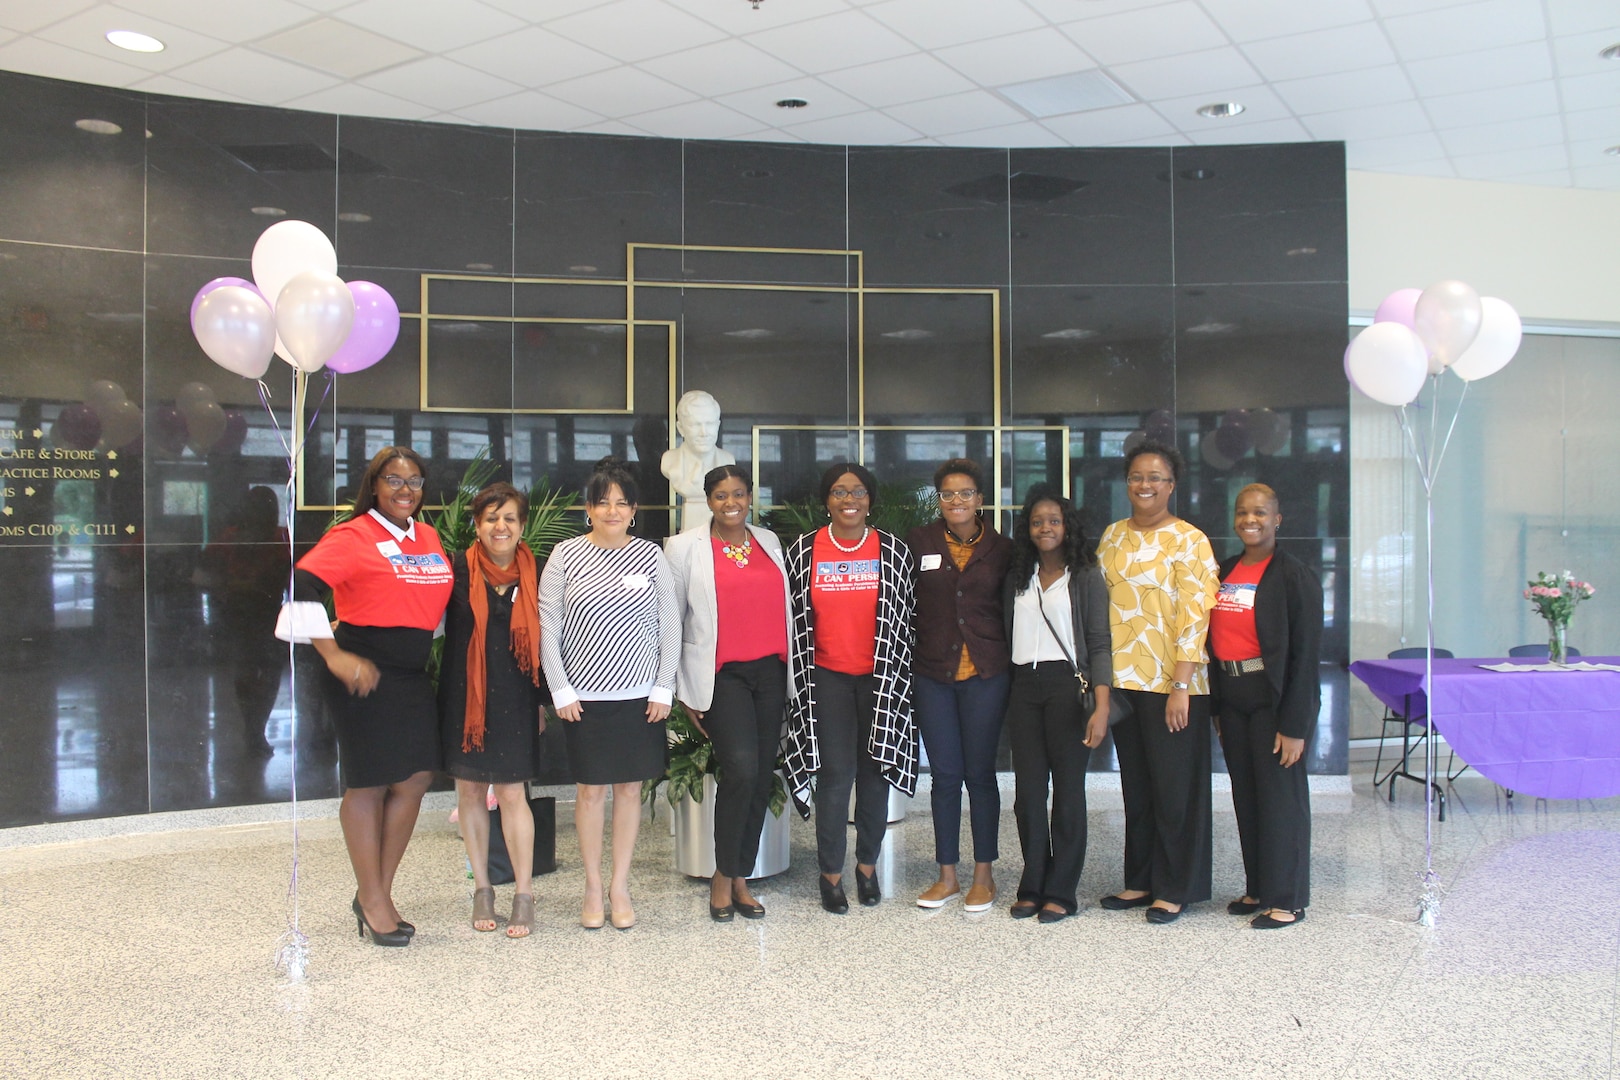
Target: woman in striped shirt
x=610, y=643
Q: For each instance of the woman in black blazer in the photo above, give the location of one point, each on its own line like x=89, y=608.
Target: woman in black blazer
x=1265, y=636
x=1056, y=617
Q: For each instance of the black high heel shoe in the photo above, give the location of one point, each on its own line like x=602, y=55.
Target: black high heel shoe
x=387, y=938
x=866, y=888
x=832, y=896
x=404, y=927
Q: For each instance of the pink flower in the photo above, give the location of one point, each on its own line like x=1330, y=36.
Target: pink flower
x=1527, y=594
x=1555, y=592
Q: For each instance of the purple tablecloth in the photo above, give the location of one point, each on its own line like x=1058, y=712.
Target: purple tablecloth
x=1553, y=734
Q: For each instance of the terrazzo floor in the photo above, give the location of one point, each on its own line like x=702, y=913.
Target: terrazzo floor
x=150, y=955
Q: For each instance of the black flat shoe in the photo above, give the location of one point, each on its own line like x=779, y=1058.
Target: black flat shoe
x=832, y=896
x=1162, y=916
x=756, y=910
x=1119, y=903
x=866, y=888
x=1047, y=915
x=1242, y=907
x=1266, y=922
x=1023, y=909
x=722, y=914
x=388, y=938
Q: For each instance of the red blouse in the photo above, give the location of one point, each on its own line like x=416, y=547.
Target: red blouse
x=751, y=607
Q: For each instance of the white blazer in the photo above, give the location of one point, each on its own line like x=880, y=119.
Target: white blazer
x=691, y=562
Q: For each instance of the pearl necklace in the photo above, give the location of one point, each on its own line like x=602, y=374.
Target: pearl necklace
x=738, y=553
x=865, y=532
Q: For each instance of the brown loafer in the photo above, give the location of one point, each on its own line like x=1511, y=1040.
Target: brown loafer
x=980, y=898
x=938, y=895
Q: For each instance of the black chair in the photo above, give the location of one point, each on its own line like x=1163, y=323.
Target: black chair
x=1407, y=721
x=1539, y=652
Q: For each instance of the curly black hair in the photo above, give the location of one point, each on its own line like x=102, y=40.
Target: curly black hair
x=1077, y=554
x=1171, y=455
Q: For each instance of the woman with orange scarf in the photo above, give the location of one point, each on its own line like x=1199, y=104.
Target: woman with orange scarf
x=491, y=696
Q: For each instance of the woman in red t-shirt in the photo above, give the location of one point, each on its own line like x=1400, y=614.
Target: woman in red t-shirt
x=849, y=716
x=731, y=586
x=1265, y=634
x=390, y=582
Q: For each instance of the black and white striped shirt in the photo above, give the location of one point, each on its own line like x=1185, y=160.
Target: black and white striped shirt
x=609, y=626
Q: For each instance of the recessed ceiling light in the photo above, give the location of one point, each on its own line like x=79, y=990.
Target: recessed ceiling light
x=582, y=268
x=1219, y=110
x=98, y=127
x=354, y=215
x=480, y=266
x=134, y=42
x=1612, y=151
x=1197, y=174
x=755, y=333
x=792, y=103
x=269, y=211
x=1211, y=326
x=1072, y=333
x=913, y=334
x=1611, y=53
x=1302, y=251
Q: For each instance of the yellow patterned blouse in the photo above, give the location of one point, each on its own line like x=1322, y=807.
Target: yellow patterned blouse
x=1161, y=588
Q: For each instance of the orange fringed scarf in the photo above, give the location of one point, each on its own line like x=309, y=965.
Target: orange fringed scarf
x=525, y=630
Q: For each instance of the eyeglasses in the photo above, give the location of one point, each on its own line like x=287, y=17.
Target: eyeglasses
x=396, y=482
x=962, y=496
x=842, y=494
x=1154, y=480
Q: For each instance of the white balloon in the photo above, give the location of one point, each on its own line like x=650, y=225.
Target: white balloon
x=314, y=314
x=235, y=328
x=120, y=424
x=205, y=424
x=1388, y=363
x=193, y=393
x=285, y=250
x=1500, y=332
x=102, y=395
x=1446, y=318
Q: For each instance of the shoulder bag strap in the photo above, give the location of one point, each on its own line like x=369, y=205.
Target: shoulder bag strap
x=1085, y=683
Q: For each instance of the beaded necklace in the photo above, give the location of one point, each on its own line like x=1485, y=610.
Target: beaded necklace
x=738, y=553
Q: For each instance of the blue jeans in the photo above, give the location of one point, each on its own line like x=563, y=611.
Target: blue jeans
x=960, y=724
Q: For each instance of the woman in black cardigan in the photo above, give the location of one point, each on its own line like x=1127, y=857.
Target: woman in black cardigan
x=1056, y=611
x=1265, y=636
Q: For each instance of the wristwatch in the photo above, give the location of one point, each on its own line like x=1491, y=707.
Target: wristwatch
x=1179, y=685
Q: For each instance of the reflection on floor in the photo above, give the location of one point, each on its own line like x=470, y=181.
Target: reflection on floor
x=151, y=955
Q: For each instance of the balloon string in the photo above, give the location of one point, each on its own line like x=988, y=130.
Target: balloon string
x=264, y=399
x=1446, y=442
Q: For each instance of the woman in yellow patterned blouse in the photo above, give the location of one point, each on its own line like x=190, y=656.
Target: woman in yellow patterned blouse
x=1162, y=580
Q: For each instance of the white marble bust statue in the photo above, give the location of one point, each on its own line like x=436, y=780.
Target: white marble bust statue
x=697, y=418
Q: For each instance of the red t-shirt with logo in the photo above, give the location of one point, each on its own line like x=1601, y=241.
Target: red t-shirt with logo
x=1231, y=624
x=844, y=598
x=379, y=581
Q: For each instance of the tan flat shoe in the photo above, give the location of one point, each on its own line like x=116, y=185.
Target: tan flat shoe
x=980, y=898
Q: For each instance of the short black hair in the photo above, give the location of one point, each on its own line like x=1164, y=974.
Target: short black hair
x=1171, y=455
x=608, y=473
x=712, y=478
x=860, y=472
x=499, y=494
x=960, y=466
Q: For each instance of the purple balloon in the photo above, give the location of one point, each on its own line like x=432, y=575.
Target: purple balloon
x=169, y=429
x=376, y=328
x=197, y=300
x=77, y=427
x=1399, y=306
x=1160, y=425
x=1232, y=438
x=236, y=432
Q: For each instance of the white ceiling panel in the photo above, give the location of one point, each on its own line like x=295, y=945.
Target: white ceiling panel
x=1257, y=20
x=87, y=32
x=1547, y=178
x=352, y=99
x=695, y=120
x=1271, y=131
x=1489, y=24
x=27, y=16
x=168, y=84
x=1580, y=16
x=1593, y=124
x=858, y=129
x=893, y=82
x=431, y=25
x=931, y=24
x=824, y=102
x=1509, y=135
x=1590, y=91
x=1482, y=106
x=1330, y=93
x=958, y=112
x=621, y=91
x=1034, y=54
x=636, y=29
x=738, y=18
x=338, y=48
x=1348, y=125
x=533, y=56
x=1062, y=11
x=437, y=81
x=1322, y=52
x=1506, y=163
x=832, y=42
x=1598, y=178
x=254, y=76
x=537, y=11
x=721, y=68
x=36, y=56
x=1101, y=127
x=228, y=22
x=1142, y=35
x=1029, y=133
x=1578, y=54
x=1397, y=150
x=1215, y=72
x=1391, y=8
x=1260, y=105
x=1459, y=74
x=519, y=111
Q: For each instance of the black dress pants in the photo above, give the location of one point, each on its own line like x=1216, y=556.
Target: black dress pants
x=1164, y=777
x=846, y=705
x=745, y=723
x=1273, y=804
x=1048, y=731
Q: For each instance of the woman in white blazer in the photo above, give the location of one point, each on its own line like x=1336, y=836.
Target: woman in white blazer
x=731, y=588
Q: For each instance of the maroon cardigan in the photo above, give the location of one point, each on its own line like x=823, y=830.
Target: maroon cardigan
x=959, y=607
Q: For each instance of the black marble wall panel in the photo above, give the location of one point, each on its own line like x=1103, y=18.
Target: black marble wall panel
x=1195, y=294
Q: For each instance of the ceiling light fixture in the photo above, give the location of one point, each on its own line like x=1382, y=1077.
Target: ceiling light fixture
x=98, y=127
x=1612, y=151
x=134, y=41
x=756, y=3
x=480, y=266
x=1220, y=110
x=1611, y=53
x=792, y=103
x=354, y=216
x=269, y=211
x=582, y=268
x=1301, y=251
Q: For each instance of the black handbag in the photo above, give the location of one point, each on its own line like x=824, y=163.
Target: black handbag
x=544, y=809
x=1118, y=707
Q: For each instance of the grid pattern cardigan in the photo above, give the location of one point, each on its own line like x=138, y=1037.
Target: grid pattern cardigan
x=893, y=742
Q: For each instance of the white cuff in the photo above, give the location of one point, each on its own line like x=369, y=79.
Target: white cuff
x=562, y=697
x=303, y=621
x=661, y=695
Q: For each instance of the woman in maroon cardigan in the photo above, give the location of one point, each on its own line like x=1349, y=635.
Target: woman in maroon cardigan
x=961, y=664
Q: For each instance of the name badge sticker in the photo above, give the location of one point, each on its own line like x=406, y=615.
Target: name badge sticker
x=931, y=562
x=388, y=548
x=635, y=582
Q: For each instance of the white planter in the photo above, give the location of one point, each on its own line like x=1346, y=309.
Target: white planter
x=694, y=837
x=898, y=804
